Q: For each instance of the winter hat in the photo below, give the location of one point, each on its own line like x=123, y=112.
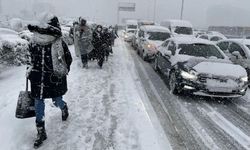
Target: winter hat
x=48, y=24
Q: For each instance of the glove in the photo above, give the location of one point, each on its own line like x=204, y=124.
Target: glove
x=28, y=71
x=32, y=28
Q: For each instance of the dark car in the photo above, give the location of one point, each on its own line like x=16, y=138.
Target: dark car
x=201, y=68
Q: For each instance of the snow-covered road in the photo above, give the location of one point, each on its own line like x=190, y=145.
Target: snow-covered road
x=109, y=110
x=193, y=122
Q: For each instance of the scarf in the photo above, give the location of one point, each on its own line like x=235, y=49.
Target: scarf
x=57, y=52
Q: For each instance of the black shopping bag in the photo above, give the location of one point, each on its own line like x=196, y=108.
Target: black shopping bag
x=25, y=104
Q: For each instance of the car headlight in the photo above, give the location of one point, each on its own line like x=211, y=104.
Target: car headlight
x=244, y=79
x=192, y=75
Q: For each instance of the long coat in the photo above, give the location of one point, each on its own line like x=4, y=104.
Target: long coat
x=44, y=83
x=84, y=37
x=76, y=40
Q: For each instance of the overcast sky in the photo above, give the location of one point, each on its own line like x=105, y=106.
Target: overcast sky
x=201, y=13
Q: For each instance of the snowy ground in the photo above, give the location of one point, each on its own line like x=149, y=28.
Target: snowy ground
x=109, y=110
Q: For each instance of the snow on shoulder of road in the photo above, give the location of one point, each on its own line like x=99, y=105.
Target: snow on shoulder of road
x=105, y=106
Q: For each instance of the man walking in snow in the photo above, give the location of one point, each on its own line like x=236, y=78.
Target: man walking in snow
x=84, y=35
x=99, y=45
x=47, y=77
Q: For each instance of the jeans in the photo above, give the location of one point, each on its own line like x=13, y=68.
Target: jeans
x=84, y=58
x=40, y=107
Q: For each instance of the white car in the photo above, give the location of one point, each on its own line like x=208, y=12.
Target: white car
x=128, y=35
x=13, y=49
x=178, y=27
x=149, y=38
x=238, y=50
x=212, y=36
x=201, y=68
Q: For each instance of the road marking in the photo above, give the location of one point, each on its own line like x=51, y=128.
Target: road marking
x=229, y=128
x=204, y=136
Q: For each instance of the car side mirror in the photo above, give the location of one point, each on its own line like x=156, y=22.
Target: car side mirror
x=236, y=54
x=167, y=53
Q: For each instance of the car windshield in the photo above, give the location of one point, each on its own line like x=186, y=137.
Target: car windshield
x=158, y=36
x=131, y=31
x=200, y=50
x=183, y=30
x=248, y=46
x=132, y=26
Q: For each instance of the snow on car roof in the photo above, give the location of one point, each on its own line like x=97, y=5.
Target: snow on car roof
x=182, y=23
x=190, y=40
x=154, y=28
x=240, y=41
x=131, y=22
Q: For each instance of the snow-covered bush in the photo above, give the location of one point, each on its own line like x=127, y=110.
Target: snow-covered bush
x=13, y=49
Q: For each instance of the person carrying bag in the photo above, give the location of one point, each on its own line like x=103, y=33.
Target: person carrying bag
x=25, y=104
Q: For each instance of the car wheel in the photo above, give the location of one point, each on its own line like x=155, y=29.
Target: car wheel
x=172, y=83
x=156, y=67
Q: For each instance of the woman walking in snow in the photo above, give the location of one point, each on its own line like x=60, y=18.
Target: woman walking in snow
x=99, y=45
x=50, y=62
x=85, y=46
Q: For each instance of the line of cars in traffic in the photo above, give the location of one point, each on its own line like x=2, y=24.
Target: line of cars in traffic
x=205, y=64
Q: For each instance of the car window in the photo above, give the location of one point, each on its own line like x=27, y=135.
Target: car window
x=165, y=44
x=204, y=37
x=215, y=38
x=158, y=36
x=235, y=47
x=200, y=50
x=223, y=45
x=172, y=47
x=141, y=33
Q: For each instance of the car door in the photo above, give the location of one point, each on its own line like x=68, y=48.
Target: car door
x=141, y=40
x=161, y=58
x=242, y=60
x=166, y=63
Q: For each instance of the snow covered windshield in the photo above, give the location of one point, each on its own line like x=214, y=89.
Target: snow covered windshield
x=200, y=50
x=158, y=36
x=183, y=30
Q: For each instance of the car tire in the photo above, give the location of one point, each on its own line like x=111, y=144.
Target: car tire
x=156, y=67
x=144, y=56
x=173, y=87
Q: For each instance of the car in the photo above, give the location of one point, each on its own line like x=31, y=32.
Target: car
x=238, y=50
x=199, y=67
x=149, y=38
x=212, y=36
x=13, y=49
x=128, y=34
x=179, y=27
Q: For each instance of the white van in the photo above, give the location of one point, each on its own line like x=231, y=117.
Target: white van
x=178, y=27
x=131, y=25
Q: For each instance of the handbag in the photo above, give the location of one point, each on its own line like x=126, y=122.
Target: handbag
x=25, y=104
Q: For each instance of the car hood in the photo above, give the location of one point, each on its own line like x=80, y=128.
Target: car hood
x=220, y=69
x=156, y=43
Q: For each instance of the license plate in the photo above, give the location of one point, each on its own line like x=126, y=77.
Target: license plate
x=220, y=89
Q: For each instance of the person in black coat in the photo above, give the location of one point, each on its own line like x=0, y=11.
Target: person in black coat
x=99, y=45
x=46, y=82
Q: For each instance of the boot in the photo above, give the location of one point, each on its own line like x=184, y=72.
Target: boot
x=41, y=135
x=65, y=113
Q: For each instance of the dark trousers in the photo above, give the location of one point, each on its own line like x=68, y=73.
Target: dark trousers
x=84, y=58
